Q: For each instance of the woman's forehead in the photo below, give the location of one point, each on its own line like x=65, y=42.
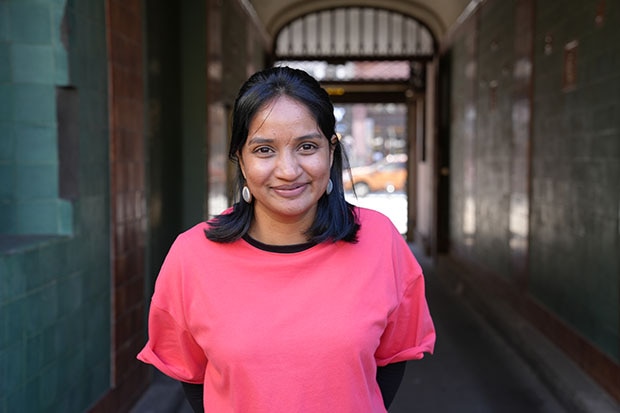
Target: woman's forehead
x=282, y=110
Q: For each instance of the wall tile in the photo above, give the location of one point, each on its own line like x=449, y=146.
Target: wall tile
x=41, y=309
x=37, y=181
x=5, y=67
x=53, y=258
x=69, y=325
x=32, y=63
x=7, y=142
x=34, y=103
x=6, y=102
x=8, y=217
x=71, y=298
x=13, y=282
x=30, y=22
x=35, y=144
x=37, y=217
x=4, y=334
x=30, y=267
x=15, y=324
x=47, y=385
x=4, y=21
x=12, y=360
x=7, y=181
x=97, y=325
x=41, y=351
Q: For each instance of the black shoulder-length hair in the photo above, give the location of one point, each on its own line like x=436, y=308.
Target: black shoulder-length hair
x=335, y=218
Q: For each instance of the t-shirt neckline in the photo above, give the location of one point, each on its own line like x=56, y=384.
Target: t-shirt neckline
x=280, y=249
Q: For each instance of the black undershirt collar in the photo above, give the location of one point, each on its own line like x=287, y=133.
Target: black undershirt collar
x=281, y=249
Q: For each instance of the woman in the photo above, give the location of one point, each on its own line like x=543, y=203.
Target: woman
x=293, y=299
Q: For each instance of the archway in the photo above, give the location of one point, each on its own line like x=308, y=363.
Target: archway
x=375, y=64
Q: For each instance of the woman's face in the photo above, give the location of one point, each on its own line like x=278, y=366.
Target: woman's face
x=286, y=162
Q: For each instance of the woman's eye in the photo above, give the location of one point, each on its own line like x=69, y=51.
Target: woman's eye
x=307, y=147
x=262, y=150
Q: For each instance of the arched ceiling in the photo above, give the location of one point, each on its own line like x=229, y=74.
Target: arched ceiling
x=438, y=15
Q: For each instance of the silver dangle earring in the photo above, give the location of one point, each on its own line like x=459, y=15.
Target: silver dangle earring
x=330, y=187
x=246, y=194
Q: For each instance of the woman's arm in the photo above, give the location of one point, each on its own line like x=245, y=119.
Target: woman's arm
x=194, y=395
x=389, y=378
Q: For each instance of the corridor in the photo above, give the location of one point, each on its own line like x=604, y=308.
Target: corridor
x=114, y=130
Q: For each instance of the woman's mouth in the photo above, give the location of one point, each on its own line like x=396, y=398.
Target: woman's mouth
x=290, y=191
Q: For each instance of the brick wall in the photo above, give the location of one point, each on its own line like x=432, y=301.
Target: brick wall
x=128, y=215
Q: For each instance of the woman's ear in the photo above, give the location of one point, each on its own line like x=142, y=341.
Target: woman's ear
x=332, y=147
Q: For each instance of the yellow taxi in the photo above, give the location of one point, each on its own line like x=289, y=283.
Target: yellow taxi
x=387, y=175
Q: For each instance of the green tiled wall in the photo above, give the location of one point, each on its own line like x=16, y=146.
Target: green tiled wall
x=37, y=61
x=573, y=267
x=493, y=151
x=47, y=334
x=54, y=290
x=576, y=170
x=462, y=138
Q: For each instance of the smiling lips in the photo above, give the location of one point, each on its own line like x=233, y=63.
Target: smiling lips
x=290, y=191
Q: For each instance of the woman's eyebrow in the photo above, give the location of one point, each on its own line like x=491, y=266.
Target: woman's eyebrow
x=258, y=140
x=314, y=135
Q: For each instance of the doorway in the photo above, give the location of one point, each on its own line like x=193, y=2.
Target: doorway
x=374, y=137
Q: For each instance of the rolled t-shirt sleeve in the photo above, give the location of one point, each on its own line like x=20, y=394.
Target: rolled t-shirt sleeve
x=409, y=332
x=171, y=348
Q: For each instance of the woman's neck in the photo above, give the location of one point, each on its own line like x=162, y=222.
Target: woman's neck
x=277, y=234
x=277, y=229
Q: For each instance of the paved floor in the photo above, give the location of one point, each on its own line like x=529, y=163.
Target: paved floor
x=473, y=370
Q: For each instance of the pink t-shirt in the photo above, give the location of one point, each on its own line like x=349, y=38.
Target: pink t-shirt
x=289, y=332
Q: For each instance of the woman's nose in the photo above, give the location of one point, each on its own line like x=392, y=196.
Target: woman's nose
x=287, y=166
